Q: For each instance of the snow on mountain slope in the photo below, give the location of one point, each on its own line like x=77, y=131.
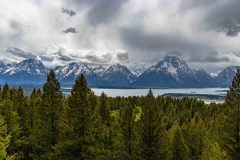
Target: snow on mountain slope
x=169, y=72
x=26, y=71
x=99, y=70
x=72, y=69
x=225, y=77
x=117, y=75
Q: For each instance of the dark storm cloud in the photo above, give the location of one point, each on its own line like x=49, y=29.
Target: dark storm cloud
x=225, y=17
x=70, y=30
x=123, y=57
x=158, y=45
x=173, y=53
x=101, y=11
x=191, y=4
x=20, y=53
x=92, y=57
x=68, y=12
x=215, y=58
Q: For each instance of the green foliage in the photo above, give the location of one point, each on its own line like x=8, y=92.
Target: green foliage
x=151, y=132
x=76, y=143
x=127, y=126
x=47, y=125
x=4, y=140
x=231, y=120
x=180, y=150
x=52, y=102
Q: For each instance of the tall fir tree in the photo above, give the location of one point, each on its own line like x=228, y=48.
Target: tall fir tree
x=179, y=147
x=231, y=117
x=80, y=119
x=150, y=131
x=105, y=110
x=196, y=135
x=105, y=130
x=4, y=140
x=127, y=127
x=5, y=92
x=52, y=101
x=33, y=125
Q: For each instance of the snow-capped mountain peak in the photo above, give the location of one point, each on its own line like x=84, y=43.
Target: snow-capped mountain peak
x=116, y=67
x=169, y=72
x=171, y=65
x=72, y=69
x=99, y=70
x=30, y=66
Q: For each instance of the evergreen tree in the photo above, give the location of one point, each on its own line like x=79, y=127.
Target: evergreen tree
x=150, y=131
x=4, y=140
x=127, y=126
x=33, y=125
x=105, y=110
x=231, y=117
x=196, y=135
x=52, y=101
x=105, y=132
x=80, y=120
x=179, y=148
x=8, y=109
x=5, y=92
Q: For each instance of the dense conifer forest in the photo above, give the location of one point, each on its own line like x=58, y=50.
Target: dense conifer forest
x=83, y=126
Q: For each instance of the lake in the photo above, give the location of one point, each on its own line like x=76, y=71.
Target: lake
x=200, y=93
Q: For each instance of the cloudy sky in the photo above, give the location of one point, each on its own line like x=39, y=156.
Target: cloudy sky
x=205, y=33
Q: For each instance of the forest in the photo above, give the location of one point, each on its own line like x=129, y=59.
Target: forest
x=82, y=126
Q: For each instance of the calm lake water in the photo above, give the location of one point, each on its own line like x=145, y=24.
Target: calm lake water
x=142, y=92
x=183, y=91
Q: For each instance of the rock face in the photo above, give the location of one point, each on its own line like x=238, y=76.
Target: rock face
x=173, y=72
x=29, y=71
x=225, y=77
x=118, y=76
x=169, y=72
x=67, y=74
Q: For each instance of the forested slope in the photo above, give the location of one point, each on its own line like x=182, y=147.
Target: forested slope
x=47, y=125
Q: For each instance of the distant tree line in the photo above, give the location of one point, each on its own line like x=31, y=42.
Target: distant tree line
x=83, y=126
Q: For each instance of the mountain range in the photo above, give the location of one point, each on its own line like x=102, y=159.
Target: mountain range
x=170, y=72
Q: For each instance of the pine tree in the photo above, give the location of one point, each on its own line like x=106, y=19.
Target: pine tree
x=80, y=120
x=105, y=130
x=179, y=148
x=231, y=118
x=12, y=120
x=5, y=92
x=52, y=101
x=33, y=125
x=150, y=131
x=22, y=107
x=196, y=135
x=4, y=140
x=105, y=110
x=127, y=126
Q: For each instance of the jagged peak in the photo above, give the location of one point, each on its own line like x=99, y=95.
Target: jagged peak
x=173, y=61
x=117, y=67
x=171, y=65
